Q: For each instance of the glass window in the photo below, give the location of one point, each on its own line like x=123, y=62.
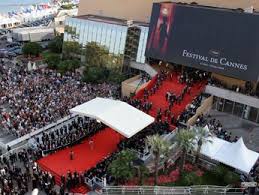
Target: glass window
x=86, y=28
x=90, y=32
x=117, y=41
x=94, y=31
x=108, y=36
x=81, y=32
x=123, y=40
x=143, y=57
x=113, y=39
x=228, y=106
x=103, y=33
x=253, y=114
x=99, y=33
x=238, y=109
x=140, y=46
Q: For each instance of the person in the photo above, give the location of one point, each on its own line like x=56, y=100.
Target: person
x=91, y=144
x=71, y=155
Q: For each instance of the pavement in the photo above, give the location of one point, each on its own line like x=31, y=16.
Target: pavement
x=239, y=127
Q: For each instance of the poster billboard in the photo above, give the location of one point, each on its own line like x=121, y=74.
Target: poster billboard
x=210, y=39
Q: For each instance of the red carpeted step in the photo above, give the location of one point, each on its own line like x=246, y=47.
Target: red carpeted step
x=83, y=189
x=159, y=101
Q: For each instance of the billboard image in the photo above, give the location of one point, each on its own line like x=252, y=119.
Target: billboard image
x=210, y=39
x=160, y=32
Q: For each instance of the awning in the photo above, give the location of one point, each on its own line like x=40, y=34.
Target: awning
x=116, y=114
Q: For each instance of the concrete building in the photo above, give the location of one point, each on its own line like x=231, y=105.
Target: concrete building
x=33, y=34
x=140, y=10
x=59, y=20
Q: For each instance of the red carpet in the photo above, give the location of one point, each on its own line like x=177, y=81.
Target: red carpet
x=105, y=142
x=159, y=101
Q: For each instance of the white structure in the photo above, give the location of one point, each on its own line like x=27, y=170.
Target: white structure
x=33, y=34
x=116, y=114
x=235, y=155
x=6, y=22
x=24, y=16
x=59, y=20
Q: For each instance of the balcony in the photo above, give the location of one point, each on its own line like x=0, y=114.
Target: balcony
x=233, y=96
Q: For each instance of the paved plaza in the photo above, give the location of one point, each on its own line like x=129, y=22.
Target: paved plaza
x=239, y=127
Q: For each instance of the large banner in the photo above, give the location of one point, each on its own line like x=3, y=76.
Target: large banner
x=210, y=39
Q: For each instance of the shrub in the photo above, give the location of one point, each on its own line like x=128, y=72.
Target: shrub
x=191, y=179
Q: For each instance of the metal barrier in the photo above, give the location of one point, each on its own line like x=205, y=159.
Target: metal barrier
x=46, y=128
x=150, y=190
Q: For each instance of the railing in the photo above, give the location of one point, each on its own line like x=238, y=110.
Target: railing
x=144, y=67
x=32, y=134
x=233, y=96
x=150, y=190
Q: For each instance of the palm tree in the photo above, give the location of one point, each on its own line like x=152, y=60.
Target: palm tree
x=202, y=136
x=185, y=141
x=158, y=147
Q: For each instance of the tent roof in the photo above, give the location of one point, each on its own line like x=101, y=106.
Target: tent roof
x=236, y=155
x=116, y=114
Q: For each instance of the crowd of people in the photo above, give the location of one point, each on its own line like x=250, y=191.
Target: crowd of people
x=20, y=174
x=189, y=111
x=216, y=128
x=68, y=135
x=247, y=88
x=30, y=100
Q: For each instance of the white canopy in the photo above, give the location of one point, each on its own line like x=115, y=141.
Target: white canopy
x=116, y=114
x=236, y=155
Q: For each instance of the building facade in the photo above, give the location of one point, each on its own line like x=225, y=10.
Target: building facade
x=33, y=34
x=116, y=35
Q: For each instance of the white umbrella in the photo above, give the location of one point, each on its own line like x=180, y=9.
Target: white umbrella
x=29, y=66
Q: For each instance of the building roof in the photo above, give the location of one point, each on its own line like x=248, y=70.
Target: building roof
x=32, y=30
x=109, y=20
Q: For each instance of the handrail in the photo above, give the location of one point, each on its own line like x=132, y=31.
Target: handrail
x=169, y=190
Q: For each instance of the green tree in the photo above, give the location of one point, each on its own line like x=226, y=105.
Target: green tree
x=95, y=75
x=56, y=44
x=31, y=49
x=52, y=59
x=116, y=77
x=63, y=67
x=191, y=178
x=70, y=49
x=122, y=167
x=96, y=55
x=224, y=175
x=185, y=141
x=143, y=172
x=68, y=65
x=159, y=147
x=202, y=136
x=73, y=64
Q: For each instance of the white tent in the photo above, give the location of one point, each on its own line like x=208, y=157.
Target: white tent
x=213, y=146
x=116, y=114
x=236, y=155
